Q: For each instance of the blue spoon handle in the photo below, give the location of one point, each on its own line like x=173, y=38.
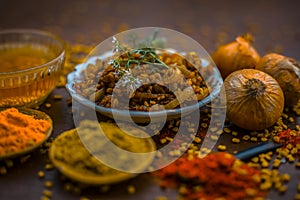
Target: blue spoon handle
x=257, y=149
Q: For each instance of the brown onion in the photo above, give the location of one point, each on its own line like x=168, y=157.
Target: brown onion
x=255, y=100
x=239, y=54
x=287, y=73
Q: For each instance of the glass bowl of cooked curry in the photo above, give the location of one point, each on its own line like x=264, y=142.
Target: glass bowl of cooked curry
x=145, y=73
x=30, y=65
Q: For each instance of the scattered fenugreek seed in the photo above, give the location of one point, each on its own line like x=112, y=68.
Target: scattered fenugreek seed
x=48, y=184
x=234, y=133
x=161, y=198
x=227, y=130
x=297, y=197
x=222, y=147
x=235, y=140
x=3, y=170
x=49, y=166
x=47, y=193
x=41, y=174
x=48, y=105
x=9, y=163
x=57, y=97
x=131, y=189
x=246, y=137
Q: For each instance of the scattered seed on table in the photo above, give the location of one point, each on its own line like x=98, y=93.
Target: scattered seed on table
x=234, y=133
x=227, y=130
x=84, y=198
x=69, y=101
x=48, y=184
x=41, y=174
x=131, y=189
x=3, y=170
x=235, y=140
x=45, y=198
x=47, y=193
x=222, y=147
x=48, y=105
x=49, y=166
x=161, y=198
x=197, y=140
x=57, y=97
x=9, y=163
x=246, y=137
x=297, y=197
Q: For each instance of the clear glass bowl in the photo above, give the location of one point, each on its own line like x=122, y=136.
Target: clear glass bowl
x=30, y=86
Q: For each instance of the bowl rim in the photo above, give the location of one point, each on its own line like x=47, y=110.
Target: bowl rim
x=58, y=56
x=123, y=114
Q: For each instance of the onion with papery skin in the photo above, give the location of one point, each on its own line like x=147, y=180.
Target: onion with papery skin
x=239, y=54
x=287, y=73
x=255, y=100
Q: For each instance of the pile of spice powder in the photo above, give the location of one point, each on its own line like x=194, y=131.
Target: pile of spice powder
x=216, y=176
x=19, y=131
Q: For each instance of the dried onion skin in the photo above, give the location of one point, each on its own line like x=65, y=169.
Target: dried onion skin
x=239, y=54
x=255, y=100
x=287, y=73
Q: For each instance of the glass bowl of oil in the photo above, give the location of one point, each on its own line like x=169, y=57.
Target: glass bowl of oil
x=31, y=62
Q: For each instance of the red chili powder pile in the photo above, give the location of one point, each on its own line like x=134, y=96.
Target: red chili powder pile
x=218, y=175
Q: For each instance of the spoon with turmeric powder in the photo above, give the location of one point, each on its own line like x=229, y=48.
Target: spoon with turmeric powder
x=22, y=131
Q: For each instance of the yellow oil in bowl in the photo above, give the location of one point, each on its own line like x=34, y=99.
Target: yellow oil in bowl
x=30, y=65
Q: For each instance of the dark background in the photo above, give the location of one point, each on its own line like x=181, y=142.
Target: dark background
x=274, y=25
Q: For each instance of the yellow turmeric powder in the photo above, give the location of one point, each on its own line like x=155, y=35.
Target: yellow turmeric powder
x=19, y=131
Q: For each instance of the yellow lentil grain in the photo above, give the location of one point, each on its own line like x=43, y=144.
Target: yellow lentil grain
x=222, y=147
x=253, y=139
x=235, y=140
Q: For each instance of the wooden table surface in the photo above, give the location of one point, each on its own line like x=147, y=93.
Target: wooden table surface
x=274, y=24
